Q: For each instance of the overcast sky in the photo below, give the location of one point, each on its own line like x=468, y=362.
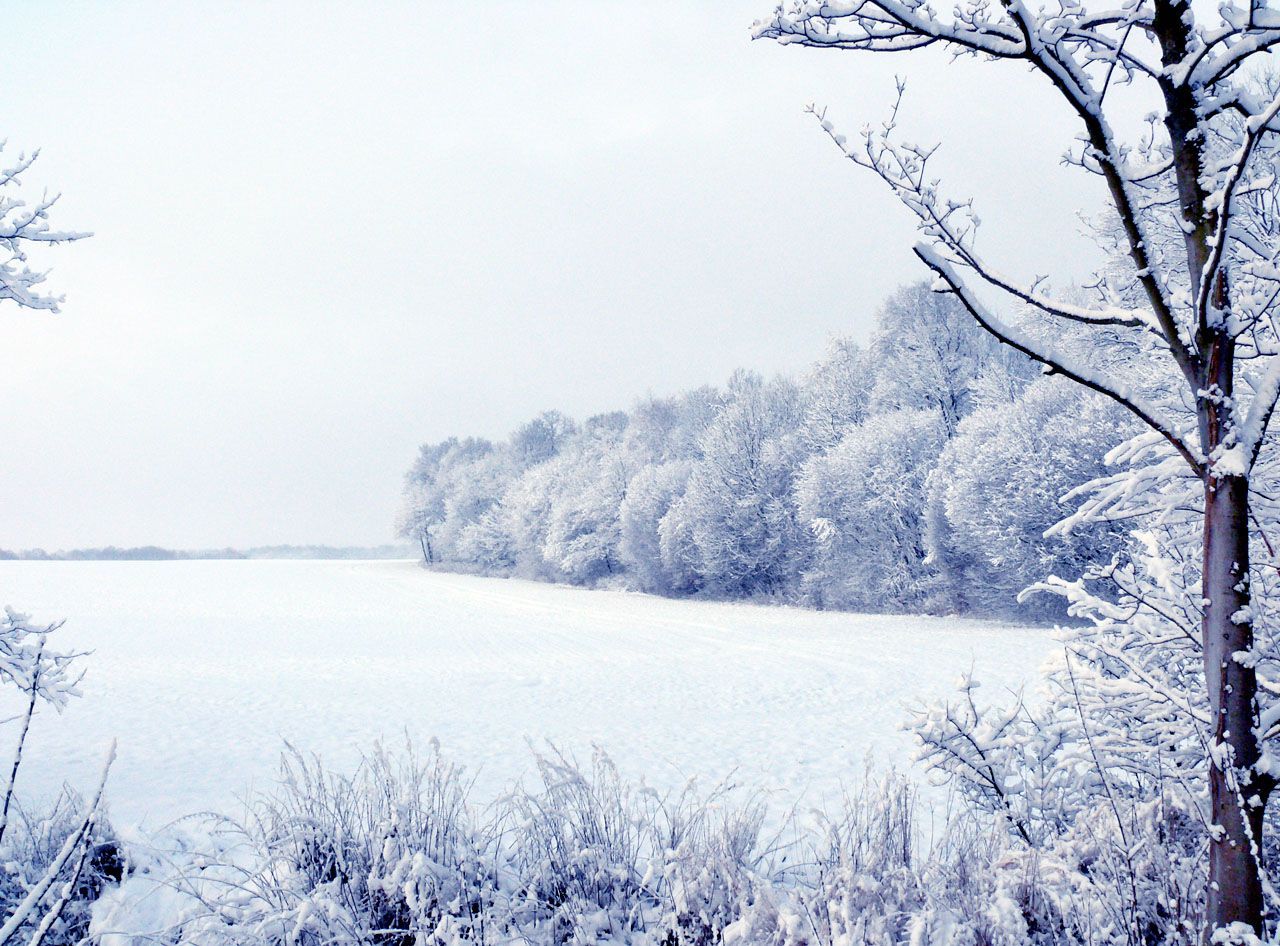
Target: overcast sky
x=328, y=232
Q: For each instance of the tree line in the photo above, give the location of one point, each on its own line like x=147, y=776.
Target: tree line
x=919, y=472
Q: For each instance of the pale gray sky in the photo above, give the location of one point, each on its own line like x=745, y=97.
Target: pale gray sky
x=328, y=232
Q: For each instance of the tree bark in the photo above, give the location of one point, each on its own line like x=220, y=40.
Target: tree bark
x=1236, y=799
x=1237, y=796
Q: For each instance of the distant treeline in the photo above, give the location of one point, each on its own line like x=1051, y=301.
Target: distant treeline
x=154, y=553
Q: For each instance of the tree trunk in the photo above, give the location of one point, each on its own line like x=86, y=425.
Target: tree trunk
x=1236, y=798
x=1237, y=795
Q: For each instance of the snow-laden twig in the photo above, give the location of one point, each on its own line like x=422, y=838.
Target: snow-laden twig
x=23, y=224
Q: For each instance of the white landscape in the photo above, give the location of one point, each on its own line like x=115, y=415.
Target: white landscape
x=596, y=474
x=334, y=656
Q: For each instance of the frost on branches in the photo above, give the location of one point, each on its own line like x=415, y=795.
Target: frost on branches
x=27, y=663
x=1103, y=780
x=24, y=222
x=1189, y=320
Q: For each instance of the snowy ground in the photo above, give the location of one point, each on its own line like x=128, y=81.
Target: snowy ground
x=202, y=668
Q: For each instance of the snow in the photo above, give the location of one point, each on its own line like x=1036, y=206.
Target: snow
x=201, y=669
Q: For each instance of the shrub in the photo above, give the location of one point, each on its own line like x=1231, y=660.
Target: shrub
x=32, y=843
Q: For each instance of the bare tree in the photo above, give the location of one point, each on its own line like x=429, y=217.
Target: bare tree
x=1190, y=195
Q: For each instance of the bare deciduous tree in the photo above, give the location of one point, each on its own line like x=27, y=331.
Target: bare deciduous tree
x=1190, y=194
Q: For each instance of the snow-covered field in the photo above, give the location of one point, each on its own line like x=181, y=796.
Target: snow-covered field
x=201, y=669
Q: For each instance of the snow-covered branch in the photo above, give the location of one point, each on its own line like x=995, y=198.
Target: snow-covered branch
x=27, y=663
x=23, y=223
x=1059, y=360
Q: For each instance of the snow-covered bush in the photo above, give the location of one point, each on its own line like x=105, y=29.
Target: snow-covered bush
x=579, y=853
x=398, y=854
x=53, y=862
x=1094, y=850
x=33, y=842
x=395, y=844
x=598, y=858
x=389, y=855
